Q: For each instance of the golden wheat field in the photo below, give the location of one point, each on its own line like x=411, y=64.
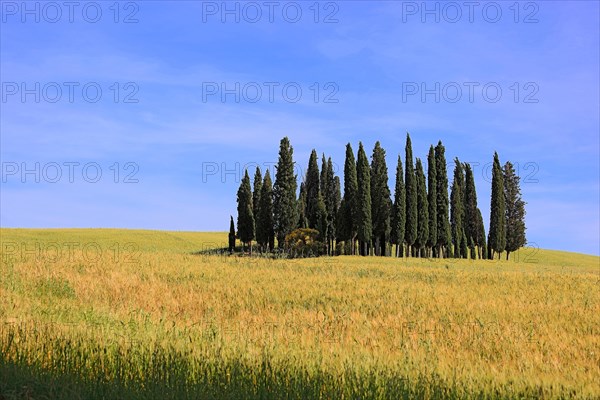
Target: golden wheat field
x=102, y=313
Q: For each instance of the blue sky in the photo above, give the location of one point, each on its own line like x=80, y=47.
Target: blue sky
x=179, y=113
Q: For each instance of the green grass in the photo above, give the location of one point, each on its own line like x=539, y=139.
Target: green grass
x=139, y=314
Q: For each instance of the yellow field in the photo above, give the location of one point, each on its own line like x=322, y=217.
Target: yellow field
x=126, y=313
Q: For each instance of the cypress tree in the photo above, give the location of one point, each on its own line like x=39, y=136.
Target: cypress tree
x=443, y=226
x=302, y=220
x=381, y=204
x=323, y=179
x=258, y=181
x=265, y=235
x=349, y=212
x=423, y=210
x=284, y=193
x=410, y=234
x=364, y=221
x=313, y=190
x=457, y=208
x=245, y=213
x=337, y=200
x=331, y=196
x=515, y=210
x=398, y=211
x=231, y=235
x=432, y=199
x=321, y=216
x=471, y=212
x=481, y=241
x=497, y=241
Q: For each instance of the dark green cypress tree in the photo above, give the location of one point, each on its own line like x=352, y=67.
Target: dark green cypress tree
x=457, y=208
x=258, y=181
x=331, y=196
x=349, y=212
x=410, y=234
x=432, y=200
x=284, y=193
x=471, y=217
x=323, y=179
x=321, y=214
x=231, y=235
x=364, y=221
x=515, y=210
x=245, y=213
x=422, y=210
x=497, y=240
x=302, y=220
x=381, y=205
x=265, y=235
x=337, y=198
x=443, y=226
x=399, y=211
x=313, y=190
x=481, y=238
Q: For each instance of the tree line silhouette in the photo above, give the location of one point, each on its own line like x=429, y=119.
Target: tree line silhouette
x=422, y=219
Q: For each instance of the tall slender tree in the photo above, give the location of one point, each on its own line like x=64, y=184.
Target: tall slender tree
x=481, y=238
x=457, y=211
x=471, y=218
x=432, y=200
x=245, y=212
x=265, y=235
x=423, y=211
x=231, y=235
x=257, y=186
x=443, y=225
x=364, y=220
x=515, y=210
x=284, y=193
x=337, y=197
x=399, y=211
x=410, y=234
x=302, y=220
x=312, y=186
x=497, y=240
x=330, y=195
x=381, y=205
x=349, y=211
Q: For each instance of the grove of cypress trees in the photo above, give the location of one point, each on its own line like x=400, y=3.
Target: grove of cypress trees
x=515, y=210
x=443, y=226
x=471, y=218
x=398, y=211
x=284, y=193
x=380, y=201
x=364, y=220
x=258, y=181
x=432, y=200
x=423, y=210
x=231, y=235
x=497, y=239
x=265, y=235
x=410, y=234
x=245, y=212
x=457, y=209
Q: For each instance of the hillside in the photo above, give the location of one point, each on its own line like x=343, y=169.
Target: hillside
x=134, y=313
